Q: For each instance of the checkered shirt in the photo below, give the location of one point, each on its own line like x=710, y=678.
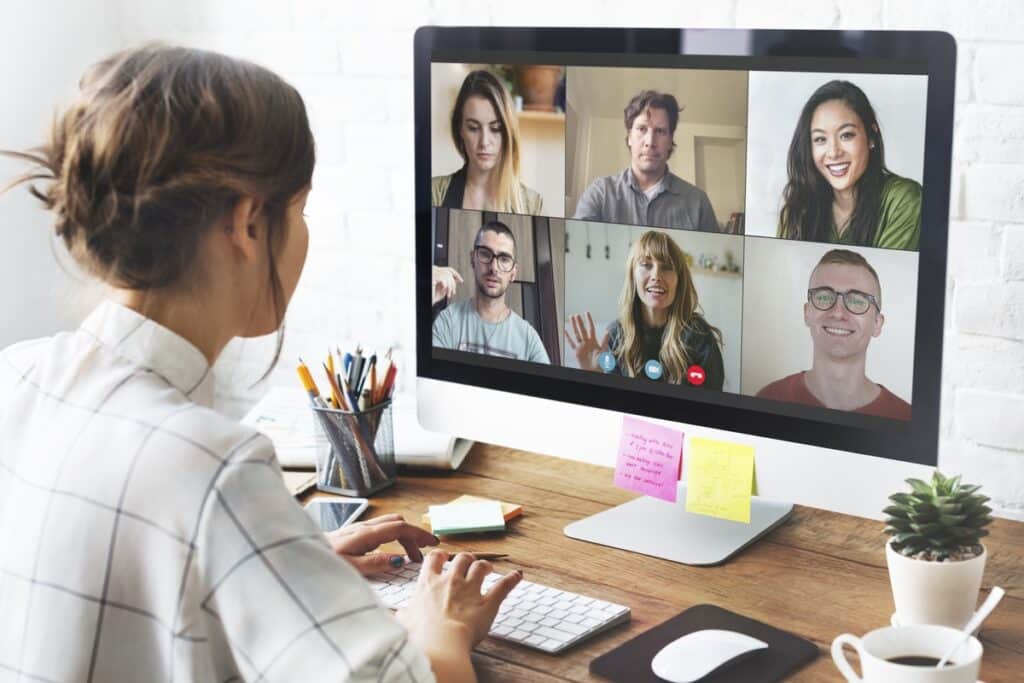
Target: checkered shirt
x=145, y=537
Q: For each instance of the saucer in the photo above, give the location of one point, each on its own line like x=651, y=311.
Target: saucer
x=893, y=621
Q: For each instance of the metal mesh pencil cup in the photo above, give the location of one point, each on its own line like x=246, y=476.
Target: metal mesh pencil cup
x=358, y=458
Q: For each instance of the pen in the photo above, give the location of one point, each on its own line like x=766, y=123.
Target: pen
x=335, y=389
x=366, y=373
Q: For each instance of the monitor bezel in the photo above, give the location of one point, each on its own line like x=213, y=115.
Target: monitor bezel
x=915, y=441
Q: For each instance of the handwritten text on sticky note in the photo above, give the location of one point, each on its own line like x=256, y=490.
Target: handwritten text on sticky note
x=719, y=479
x=649, y=459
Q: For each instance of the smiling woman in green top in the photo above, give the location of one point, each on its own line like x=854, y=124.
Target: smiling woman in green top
x=839, y=190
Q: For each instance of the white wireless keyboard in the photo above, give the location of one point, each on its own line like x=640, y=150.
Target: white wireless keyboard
x=533, y=615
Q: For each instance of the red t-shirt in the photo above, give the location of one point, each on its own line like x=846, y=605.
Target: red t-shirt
x=794, y=390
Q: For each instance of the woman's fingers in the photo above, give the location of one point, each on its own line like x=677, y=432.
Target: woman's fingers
x=460, y=565
x=376, y=563
x=502, y=587
x=371, y=536
x=478, y=571
x=590, y=324
x=433, y=563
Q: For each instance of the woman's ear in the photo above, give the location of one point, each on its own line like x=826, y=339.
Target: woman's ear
x=245, y=230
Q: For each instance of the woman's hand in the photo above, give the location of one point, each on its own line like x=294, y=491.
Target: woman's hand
x=356, y=541
x=447, y=615
x=586, y=347
x=445, y=281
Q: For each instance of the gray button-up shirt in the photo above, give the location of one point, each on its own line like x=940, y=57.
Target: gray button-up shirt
x=618, y=199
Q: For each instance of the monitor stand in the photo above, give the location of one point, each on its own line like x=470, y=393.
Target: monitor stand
x=655, y=527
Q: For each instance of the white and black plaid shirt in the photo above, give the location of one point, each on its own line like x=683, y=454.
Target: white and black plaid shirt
x=145, y=537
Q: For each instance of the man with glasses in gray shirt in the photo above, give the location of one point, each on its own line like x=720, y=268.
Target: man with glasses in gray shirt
x=484, y=323
x=647, y=192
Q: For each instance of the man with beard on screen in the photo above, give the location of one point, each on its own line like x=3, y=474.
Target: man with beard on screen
x=484, y=323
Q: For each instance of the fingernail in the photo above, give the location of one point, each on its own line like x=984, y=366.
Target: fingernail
x=436, y=538
x=396, y=561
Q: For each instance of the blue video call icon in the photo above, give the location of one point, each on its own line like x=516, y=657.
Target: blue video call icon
x=607, y=361
x=653, y=369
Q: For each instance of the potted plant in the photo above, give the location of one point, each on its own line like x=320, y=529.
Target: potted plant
x=934, y=553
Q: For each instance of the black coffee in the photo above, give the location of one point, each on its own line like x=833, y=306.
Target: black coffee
x=913, y=660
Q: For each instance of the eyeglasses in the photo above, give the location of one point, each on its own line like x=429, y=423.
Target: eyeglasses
x=855, y=301
x=485, y=256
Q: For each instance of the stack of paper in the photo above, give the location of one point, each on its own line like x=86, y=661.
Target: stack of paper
x=508, y=510
x=466, y=517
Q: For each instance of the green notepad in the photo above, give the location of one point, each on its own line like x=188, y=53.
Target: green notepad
x=465, y=518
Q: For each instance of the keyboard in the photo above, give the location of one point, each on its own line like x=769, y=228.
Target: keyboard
x=533, y=615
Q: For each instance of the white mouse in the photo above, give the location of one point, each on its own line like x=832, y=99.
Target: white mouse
x=693, y=656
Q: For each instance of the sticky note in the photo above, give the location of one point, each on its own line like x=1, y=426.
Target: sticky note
x=719, y=479
x=649, y=459
x=463, y=518
x=508, y=510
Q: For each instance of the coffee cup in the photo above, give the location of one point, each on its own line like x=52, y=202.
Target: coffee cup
x=902, y=654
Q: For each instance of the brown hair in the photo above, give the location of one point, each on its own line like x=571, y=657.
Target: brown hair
x=850, y=258
x=159, y=144
x=683, y=313
x=652, y=99
x=484, y=84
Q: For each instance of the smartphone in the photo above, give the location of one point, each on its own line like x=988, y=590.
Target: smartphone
x=334, y=513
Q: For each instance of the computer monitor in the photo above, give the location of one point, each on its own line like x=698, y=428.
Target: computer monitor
x=741, y=233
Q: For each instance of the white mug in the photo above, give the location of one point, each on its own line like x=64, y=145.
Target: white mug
x=922, y=640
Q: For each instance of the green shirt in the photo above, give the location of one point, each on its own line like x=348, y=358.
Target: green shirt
x=899, y=217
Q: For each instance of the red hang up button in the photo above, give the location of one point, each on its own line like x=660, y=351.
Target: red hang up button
x=695, y=375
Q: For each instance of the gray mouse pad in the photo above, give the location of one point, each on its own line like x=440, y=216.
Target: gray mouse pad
x=786, y=653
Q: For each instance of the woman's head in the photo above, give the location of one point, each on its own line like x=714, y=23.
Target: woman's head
x=162, y=145
x=486, y=133
x=836, y=148
x=659, y=288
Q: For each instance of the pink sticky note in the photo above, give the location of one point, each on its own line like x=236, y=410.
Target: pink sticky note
x=649, y=459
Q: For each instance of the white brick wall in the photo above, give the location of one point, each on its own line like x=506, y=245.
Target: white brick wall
x=353, y=62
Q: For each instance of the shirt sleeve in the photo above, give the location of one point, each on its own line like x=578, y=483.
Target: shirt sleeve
x=441, y=330
x=708, y=221
x=899, y=222
x=288, y=607
x=537, y=352
x=589, y=206
x=708, y=355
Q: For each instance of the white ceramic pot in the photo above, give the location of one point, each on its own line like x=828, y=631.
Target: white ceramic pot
x=942, y=593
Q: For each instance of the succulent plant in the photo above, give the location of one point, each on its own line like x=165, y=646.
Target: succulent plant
x=937, y=521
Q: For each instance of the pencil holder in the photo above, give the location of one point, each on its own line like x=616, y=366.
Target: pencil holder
x=358, y=458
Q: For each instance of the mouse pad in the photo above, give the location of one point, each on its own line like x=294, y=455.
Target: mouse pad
x=786, y=653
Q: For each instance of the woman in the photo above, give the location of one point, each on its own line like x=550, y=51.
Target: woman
x=658, y=320
x=839, y=189
x=155, y=538
x=486, y=135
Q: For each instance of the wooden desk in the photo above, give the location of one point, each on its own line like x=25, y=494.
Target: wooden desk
x=818, y=575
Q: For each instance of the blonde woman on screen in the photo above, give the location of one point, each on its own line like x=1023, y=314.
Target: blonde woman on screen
x=659, y=320
x=486, y=134
x=155, y=537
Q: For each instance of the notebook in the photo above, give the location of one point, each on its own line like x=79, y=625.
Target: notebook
x=284, y=416
x=465, y=518
x=631, y=661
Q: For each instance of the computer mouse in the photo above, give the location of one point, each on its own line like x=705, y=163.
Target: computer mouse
x=693, y=656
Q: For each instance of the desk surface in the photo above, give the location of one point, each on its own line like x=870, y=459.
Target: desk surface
x=818, y=575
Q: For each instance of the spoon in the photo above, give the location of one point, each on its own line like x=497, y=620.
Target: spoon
x=994, y=596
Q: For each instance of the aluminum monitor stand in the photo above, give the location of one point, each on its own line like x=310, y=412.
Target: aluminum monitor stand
x=661, y=529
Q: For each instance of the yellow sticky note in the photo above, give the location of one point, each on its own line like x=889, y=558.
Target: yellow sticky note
x=719, y=479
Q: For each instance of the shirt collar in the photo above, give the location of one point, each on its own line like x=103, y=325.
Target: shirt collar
x=153, y=347
x=667, y=182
